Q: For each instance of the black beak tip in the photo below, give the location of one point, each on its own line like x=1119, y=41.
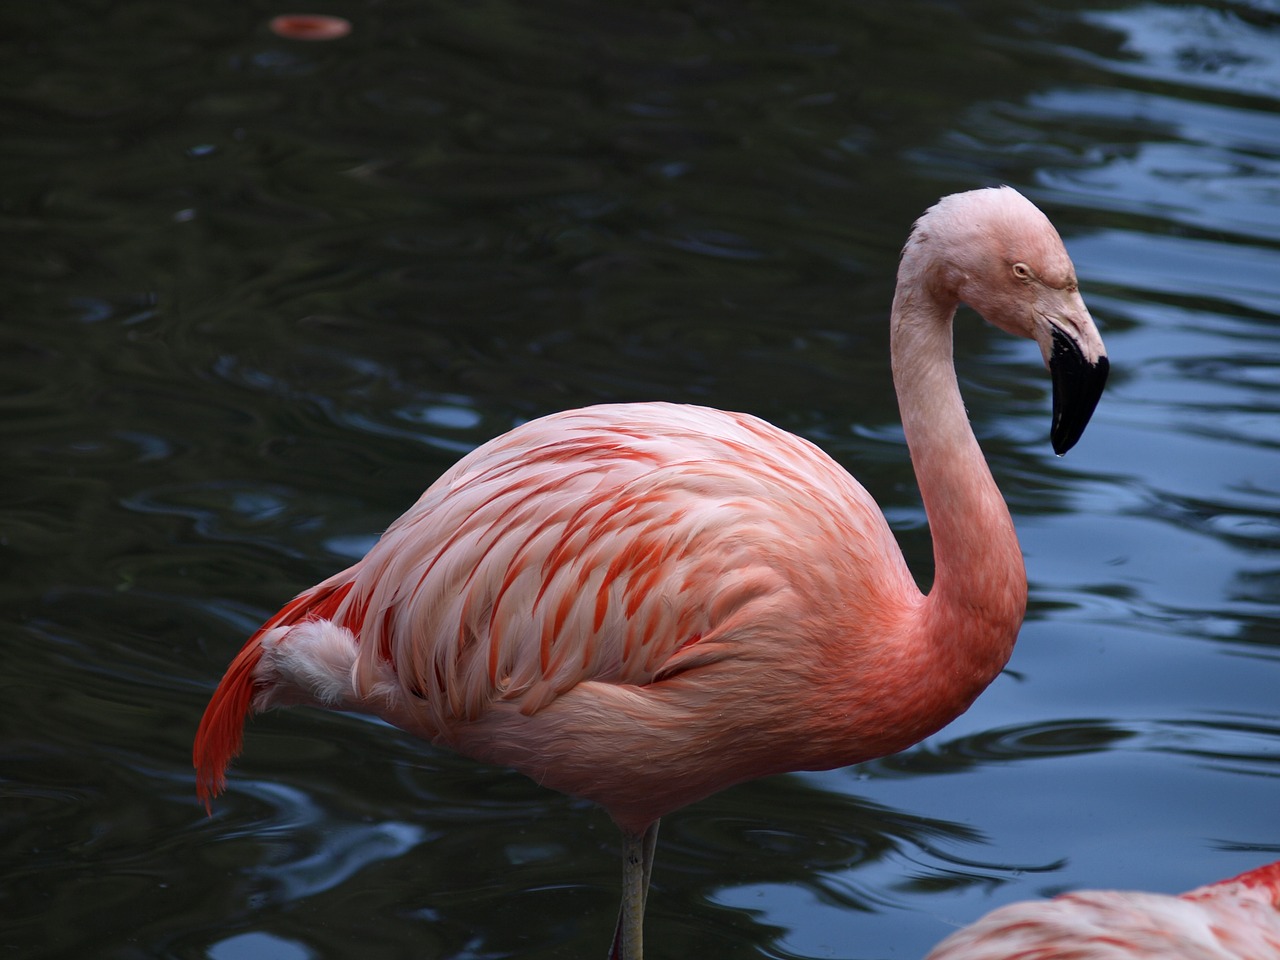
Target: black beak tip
x=1077, y=387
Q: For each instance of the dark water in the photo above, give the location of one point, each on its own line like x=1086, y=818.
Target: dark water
x=258, y=293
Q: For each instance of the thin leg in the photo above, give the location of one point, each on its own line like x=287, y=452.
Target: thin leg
x=637, y=865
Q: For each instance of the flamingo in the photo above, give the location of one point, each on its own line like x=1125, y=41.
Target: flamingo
x=642, y=604
x=1236, y=919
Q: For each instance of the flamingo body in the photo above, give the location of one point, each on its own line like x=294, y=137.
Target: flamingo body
x=601, y=582
x=1236, y=919
x=641, y=604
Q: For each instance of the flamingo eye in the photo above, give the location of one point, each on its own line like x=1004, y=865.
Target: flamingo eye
x=1023, y=272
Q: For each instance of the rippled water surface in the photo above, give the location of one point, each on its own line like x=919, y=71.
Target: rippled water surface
x=258, y=293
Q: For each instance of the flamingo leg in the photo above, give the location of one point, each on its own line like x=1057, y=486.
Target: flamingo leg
x=637, y=865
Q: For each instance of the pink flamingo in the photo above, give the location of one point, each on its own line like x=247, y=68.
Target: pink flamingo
x=1236, y=919
x=642, y=604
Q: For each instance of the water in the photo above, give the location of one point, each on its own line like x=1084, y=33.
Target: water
x=259, y=293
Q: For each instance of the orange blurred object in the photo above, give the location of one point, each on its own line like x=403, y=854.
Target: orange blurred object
x=309, y=26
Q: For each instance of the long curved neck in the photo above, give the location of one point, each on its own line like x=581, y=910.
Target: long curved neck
x=979, y=591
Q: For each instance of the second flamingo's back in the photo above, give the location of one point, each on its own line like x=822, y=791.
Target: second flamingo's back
x=1235, y=919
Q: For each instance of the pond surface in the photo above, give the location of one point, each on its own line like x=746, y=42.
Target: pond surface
x=258, y=293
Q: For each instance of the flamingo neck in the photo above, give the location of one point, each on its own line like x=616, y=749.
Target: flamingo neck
x=979, y=592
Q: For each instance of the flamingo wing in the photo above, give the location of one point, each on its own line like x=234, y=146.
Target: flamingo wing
x=616, y=544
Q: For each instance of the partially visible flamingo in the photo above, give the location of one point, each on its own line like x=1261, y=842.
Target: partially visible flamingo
x=1236, y=919
x=642, y=604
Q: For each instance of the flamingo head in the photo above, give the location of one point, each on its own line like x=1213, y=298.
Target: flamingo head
x=994, y=250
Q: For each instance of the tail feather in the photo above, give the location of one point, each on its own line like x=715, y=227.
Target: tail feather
x=221, y=732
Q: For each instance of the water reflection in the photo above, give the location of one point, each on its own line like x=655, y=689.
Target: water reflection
x=1027, y=742
x=304, y=858
x=258, y=295
x=1230, y=50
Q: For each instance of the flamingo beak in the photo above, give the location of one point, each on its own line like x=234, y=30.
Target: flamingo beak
x=1077, y=387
